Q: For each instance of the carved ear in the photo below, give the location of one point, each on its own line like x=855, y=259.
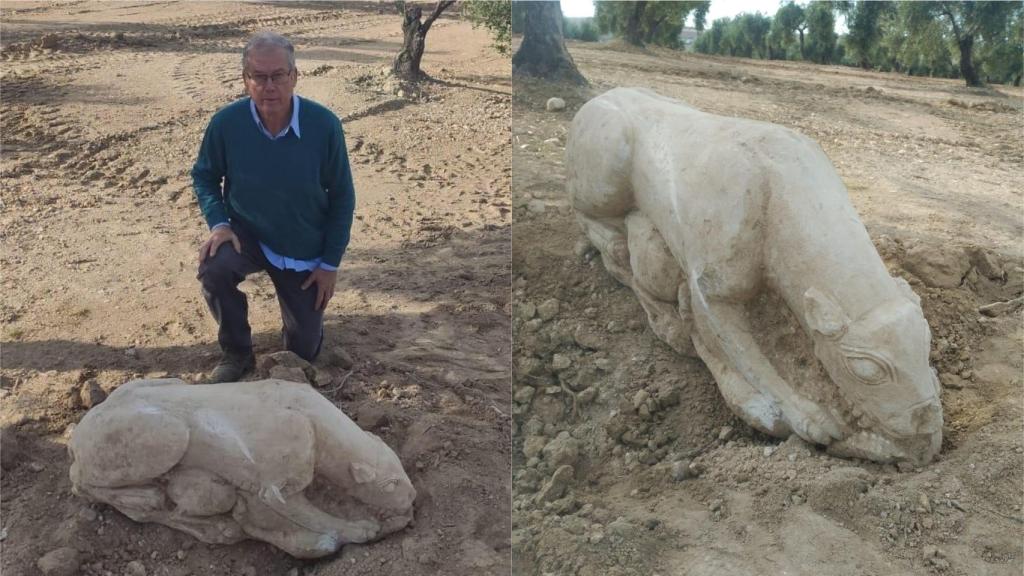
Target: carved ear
x=906, y=290
x=824, y=314
x=363, y=473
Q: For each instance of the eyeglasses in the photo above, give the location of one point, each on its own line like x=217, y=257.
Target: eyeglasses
x=277, y=78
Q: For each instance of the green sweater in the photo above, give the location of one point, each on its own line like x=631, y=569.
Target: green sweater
x=294, y=194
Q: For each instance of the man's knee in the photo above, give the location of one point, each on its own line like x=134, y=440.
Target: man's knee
x=225, y=268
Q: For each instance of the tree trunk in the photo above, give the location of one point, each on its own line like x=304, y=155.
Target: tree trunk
x=542, y=53
x=414, y=41
x=653, y=30
x=633, y=23
x=801, y=31
x=966, y=44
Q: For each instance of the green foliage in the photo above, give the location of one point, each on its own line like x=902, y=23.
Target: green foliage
x=649, y=22
x=496, y=16
x=821, y=34
x=582, y=29
x=944, y=39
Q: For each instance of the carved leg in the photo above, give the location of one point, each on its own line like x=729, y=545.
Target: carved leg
x=608, y=236
x=756, y=409
x=298, y=527
x=725, y=333
x=658, y=280
x=149, y=504
x=261, y=522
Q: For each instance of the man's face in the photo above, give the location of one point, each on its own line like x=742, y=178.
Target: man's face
x=269, y=80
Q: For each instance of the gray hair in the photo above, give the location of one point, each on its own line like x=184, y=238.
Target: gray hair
x=263, y=40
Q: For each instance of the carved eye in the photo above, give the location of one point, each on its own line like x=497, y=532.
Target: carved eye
x=867, y=370
x=389, y=485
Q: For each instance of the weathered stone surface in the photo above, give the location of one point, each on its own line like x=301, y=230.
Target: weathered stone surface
x=229, y=461
x=564, y=449
x=548, y=309
x=91, y=394
x=556, y=486
x=554, y=104
x=701, y=245
x=59, y=562
x=288, y=373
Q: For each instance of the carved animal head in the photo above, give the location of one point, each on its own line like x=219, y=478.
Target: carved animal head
x=379, y=480
x=880, y=363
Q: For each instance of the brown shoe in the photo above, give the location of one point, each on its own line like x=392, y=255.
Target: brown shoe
x=232, y=367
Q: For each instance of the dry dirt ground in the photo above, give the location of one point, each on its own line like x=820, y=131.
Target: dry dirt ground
x=103, y=108
x=936, y=173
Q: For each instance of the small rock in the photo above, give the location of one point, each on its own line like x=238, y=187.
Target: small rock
x=587, y=396
x=768, y=451
x=527, y=310
x=560, y=362
x=681, y=470
x=91, y=394
x=796, y=499
x=288, y=373
x=716, y=504
x=321, y=377
x=88, y=514
x=537, y=206
x=924, y=503
x=135, y=568
x=725, y=433
x=952, y=381
x=564, y=449
x=59, y=562
x=36, y=467
x=337, y=356
x=285, y=358
x=640, y=399
x=524, y=394
x=180, y=555
x=555, y=487
x=370, y=416
x=533, y=445
x=548, y=309
x=554, y=105
x=603, y=364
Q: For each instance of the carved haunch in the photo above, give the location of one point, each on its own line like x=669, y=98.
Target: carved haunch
x=742, y=246
x=269, y=460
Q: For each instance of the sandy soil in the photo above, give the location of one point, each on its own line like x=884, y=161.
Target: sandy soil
x=936, y=171
x=104, y=105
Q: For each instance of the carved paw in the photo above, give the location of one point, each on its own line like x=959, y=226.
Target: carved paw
x=359, y=531
x=811, y=422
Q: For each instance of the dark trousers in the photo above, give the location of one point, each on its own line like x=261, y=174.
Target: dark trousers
x=220, y=276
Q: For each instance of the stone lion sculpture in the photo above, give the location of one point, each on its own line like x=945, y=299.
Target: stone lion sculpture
x=704, y=217
x=270, y=460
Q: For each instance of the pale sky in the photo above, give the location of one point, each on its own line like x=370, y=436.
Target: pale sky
x=719, y=9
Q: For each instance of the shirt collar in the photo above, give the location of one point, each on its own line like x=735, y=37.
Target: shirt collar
x=293, y=125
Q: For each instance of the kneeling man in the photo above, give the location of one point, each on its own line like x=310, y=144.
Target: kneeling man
x=274, y=184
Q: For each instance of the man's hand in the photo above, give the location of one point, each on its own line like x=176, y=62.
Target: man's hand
x=325, y=281
x=218, y=236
